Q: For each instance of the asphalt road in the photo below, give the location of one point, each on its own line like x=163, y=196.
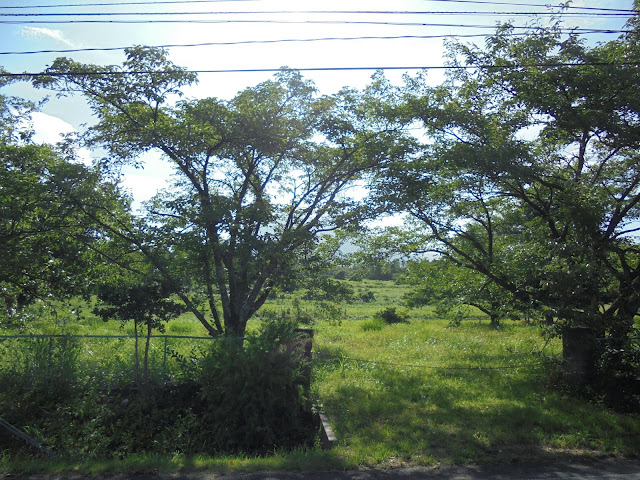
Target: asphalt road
x=604, y=469
x=600, y=469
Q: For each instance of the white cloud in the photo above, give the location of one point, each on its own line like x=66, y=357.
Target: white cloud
x=143, y=183
x=142, y=187
x=39, y=32
x=50, y=129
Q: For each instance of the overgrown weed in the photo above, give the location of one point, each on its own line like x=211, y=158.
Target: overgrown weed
x=409, y=393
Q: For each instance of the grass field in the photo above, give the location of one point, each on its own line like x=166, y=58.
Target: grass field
x=418, y=393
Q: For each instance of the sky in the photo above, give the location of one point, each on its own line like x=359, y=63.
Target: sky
x=256, y=34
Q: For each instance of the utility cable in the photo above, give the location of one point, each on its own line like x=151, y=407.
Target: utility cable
x=288, y=22
x=247, y=42
x=308, y=12
x=487, y=2
x=317, y=69
x=185, y=2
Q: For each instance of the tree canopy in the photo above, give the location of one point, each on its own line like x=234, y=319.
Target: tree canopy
x=257, y=179
x=531, y=173
x=48, y=242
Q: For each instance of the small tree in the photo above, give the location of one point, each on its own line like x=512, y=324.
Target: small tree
x=145, y=300
x=445, y=286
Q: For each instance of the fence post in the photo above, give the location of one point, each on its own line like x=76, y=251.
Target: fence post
x=307, y=355
x=49, y=359
x=164, y=362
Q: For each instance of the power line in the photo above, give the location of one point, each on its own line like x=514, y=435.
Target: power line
x=307, y=12
x=291, y=22
x=164, y=2
x=317, y=69
x=184, y=2
x=481, y=2
x=246, y=42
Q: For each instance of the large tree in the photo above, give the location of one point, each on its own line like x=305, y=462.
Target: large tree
x=532, y=174
x=257, y=178
x=48, y=242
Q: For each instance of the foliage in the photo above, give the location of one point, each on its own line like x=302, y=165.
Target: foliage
x=14, y=115
x=145, y=300
x=392, y=315
x=46, y=236
x=41, y=369
x=325, y=288
x=47, y=199
x=448, y=288
x=111, y=424
x=253, y=392
x=367, y=296
x=258, y=178
x=530, y=177
x=617, y=377
x=372, y=260
x=375, y=324
x=261, y=406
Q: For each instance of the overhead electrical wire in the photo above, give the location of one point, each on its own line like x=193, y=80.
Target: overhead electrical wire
x=593, y=12
x=185, y=2
x=488, y=2
x=288, y=22
x=319, y=69
x=253, y=42
x=163, y=2
x=306, y=12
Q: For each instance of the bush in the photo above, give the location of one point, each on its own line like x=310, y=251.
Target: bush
x=45, y=364
x=373, y=325
x=253, y=392
x=367, y=296
x=251, y=399
x=391, y=315
x=618, y=373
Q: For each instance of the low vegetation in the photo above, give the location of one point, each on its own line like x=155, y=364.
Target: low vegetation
x=413, y=392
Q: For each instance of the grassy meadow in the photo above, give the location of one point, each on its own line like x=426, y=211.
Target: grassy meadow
x=413, y=393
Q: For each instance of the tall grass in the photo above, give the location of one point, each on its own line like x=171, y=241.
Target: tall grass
x=425, y=393
x=409, y=393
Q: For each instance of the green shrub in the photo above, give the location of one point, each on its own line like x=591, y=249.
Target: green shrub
x=391, y=315
x=367, y=296
x=252, y=399
x=373, y=325
x=253, y=392
x=617, y=376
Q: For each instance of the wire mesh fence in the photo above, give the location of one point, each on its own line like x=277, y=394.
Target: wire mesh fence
x=101, y=360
